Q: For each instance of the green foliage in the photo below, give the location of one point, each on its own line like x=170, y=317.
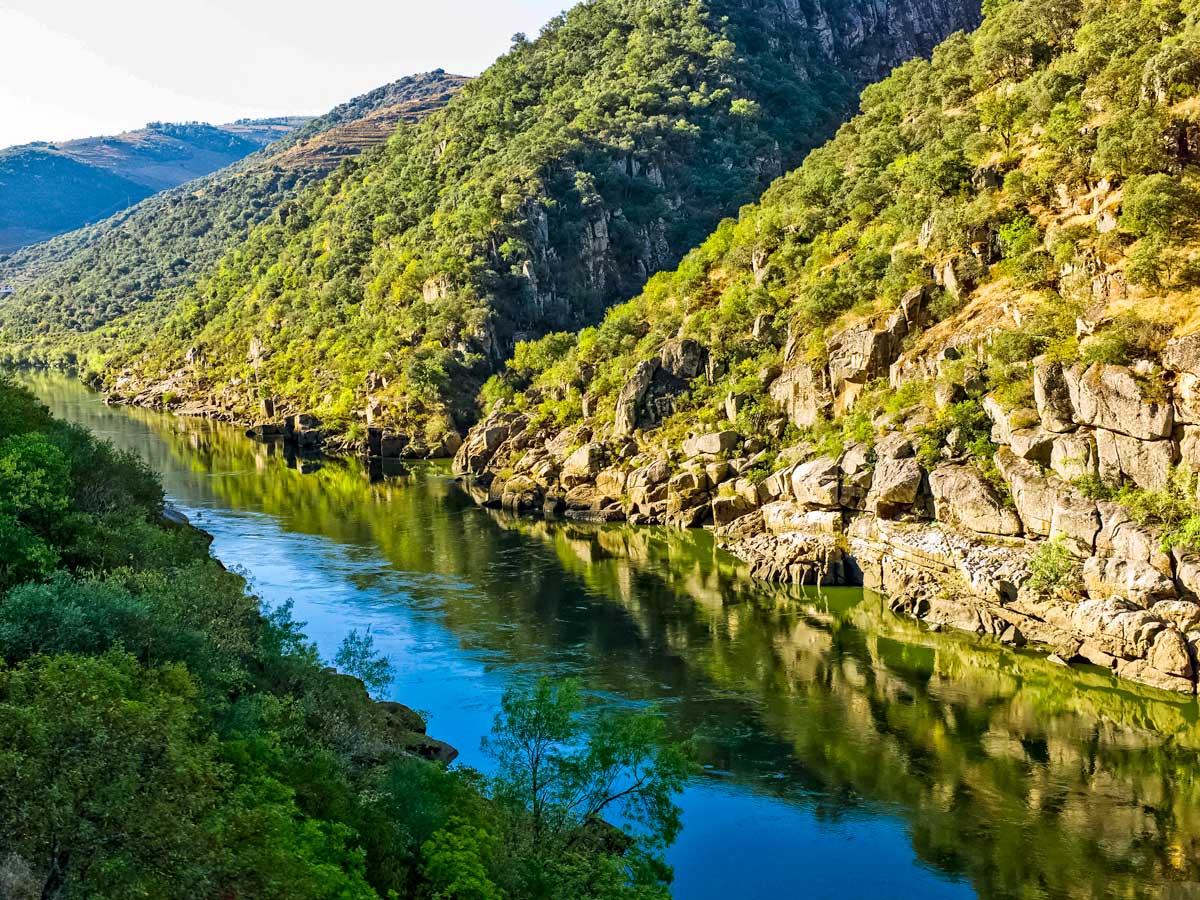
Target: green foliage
x=163, y=736
x=455, y=863
x=1053, y=569
x=554, y=784
x=358, y=657
x=551, y=187
x=1160, y=207
x=138, y=263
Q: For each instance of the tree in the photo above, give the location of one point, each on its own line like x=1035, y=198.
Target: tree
x=559, y=779
x=358, y=657
x=104, y=784
x=1160, y=206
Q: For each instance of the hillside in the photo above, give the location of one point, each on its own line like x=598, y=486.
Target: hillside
x=47, y=189
x=575, y=167
x=79, y=281
x=953, y=355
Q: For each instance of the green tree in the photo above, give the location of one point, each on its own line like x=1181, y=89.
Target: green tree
x=559, y=778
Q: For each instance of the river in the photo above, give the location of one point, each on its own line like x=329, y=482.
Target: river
x=847, y=753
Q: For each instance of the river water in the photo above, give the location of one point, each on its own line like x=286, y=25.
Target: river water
x=847, y=753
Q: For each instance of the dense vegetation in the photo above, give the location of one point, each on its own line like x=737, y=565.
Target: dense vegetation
x=161, y=736
x=72, y=285
x=53, y=188
x=1049, y=160
x=577, y=165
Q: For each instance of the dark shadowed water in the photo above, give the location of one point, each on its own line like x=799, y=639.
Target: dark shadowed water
x=848, y=753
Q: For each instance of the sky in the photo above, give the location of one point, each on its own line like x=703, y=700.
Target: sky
x=76, y=68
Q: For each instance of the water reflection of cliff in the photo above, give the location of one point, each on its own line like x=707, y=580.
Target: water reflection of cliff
x=1031, y=780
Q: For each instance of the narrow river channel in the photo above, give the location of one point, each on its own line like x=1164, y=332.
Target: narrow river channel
x=848, y=753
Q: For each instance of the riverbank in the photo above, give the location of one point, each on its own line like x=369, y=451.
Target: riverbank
x=947, y=543
x=825, y=723
x=1031, y=523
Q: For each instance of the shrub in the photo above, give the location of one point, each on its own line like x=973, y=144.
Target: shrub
x=1052, y=569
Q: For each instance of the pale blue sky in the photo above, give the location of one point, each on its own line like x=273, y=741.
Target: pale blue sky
x=74, y=68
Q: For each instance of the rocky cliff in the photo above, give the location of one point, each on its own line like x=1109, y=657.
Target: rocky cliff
x=948, y=540
x=952, y=356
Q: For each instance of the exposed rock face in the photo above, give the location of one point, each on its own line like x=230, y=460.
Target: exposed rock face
x=803, y=391
x=947, y=536
x=1053, y=396
x=962, y=495
x=630, y=398
x=1109, y=397
x=711, y=444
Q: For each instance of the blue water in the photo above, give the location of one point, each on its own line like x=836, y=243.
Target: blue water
x=847, y=753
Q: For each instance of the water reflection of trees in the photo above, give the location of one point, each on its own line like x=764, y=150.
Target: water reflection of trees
x=1029, y=779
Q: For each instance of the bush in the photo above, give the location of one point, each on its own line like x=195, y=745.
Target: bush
x=1053, y=570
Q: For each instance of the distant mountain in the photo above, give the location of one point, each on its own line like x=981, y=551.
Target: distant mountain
x=82, y=280
x=47, y=189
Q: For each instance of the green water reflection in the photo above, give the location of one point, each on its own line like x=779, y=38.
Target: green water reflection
x=1027, y=779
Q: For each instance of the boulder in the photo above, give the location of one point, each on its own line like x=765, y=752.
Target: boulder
x=789, y=517
x=682, y=358
x=1121, y=536
x=802, y=389
x=1052, y=395
x=1110, y=397
x=894, y=445
x=719, y=472
x=1183, y=614
x=856, y=356
x=895, y=485
x=1006, y=421
x=1187, y=399
x=1187, y=574
x=629, y=400
x=1188, y=439
x=963, y=496
x=451, y=442
x=649, y=475
x=611, y=482
x=521, y=494
x=817, y=482
x=582, y=466
x=480, y=446
x=1074, y=456
x=778, y=485
x=1182, y=354
x=727, y=508
x=1048, y=506
x=1146, y=463
x=1076, y=519
x=392, y=445
x=400, y=717
x=1169, y=654
x=1126, y=579
x=712, y=444
x=855, y=458
x=1117, y=627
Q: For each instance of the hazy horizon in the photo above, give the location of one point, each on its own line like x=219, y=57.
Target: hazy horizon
x=89, y=70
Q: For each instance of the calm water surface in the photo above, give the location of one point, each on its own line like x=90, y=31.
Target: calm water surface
x=847, y=753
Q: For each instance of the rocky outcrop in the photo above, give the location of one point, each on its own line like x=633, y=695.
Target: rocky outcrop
x=949, y=535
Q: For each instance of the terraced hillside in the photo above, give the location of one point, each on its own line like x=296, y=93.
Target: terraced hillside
x=72, y=285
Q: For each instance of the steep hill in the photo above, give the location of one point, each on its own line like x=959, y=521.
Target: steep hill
x=77, y=282
x=575, y=167
x=954, y=355
x=47, y=189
